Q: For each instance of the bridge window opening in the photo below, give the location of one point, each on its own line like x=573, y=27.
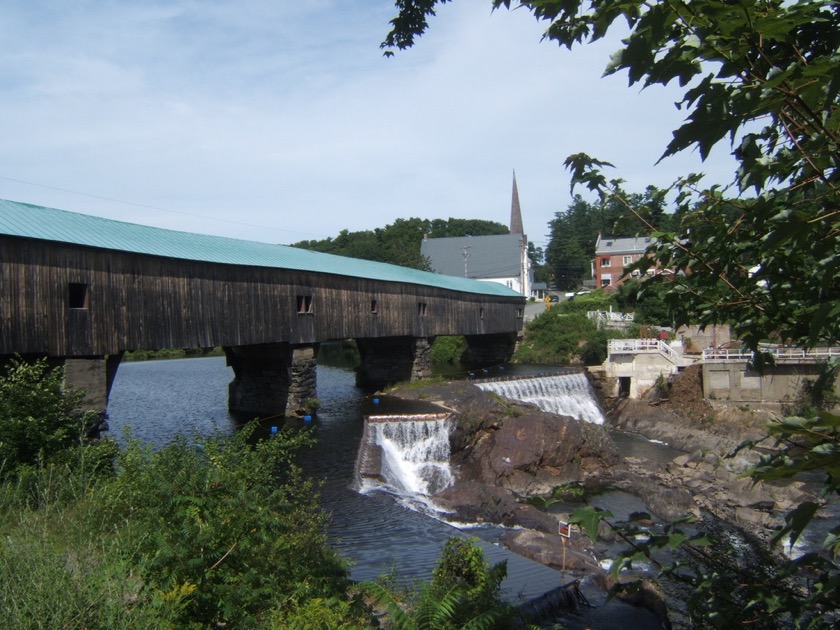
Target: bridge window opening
x=374, y=307
x=421, y=309
x=78, y=295
x=519, y=312
x=481, y=313
x=304, y=304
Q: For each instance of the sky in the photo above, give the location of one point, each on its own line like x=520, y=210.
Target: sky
x=281, y=121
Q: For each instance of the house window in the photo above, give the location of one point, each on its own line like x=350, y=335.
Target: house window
x=374, y=307
x=628, y=260
x=304, y=304
x=78, y=295
x=605, y=282
x=421, y=309
x=605, y=262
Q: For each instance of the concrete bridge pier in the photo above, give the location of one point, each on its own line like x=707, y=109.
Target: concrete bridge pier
x=270, y=379
x=488, y=350
x=388, y=360
x=93, y=375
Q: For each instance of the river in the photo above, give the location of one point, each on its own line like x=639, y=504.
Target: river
x=157, y=400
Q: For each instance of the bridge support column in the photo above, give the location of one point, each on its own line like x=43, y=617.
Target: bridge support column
x=271, y=379
x=488, y=350
x=389, y=360
x=302, y=379
x=94, y=376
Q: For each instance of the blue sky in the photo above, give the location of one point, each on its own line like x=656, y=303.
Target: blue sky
x=279, y=121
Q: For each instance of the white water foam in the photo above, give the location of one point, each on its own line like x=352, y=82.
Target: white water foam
x=563, y=394
x=415, y=460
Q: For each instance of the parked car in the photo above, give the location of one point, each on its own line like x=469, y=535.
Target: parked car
x=572, y=294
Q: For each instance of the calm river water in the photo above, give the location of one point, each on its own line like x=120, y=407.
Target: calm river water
x=157, y=400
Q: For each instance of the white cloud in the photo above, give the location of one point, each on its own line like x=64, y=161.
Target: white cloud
x=281, y=121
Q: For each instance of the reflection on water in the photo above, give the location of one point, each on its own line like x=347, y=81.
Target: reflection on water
x=158, y=400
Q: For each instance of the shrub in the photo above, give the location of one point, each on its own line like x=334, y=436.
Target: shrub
x=447, y=350
x=38, y=418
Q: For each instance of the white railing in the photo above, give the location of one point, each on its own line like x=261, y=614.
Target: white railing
x=781, y=354
x=611, y=319
x=637, y=346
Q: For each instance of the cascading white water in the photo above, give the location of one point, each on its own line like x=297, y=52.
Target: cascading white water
x=407, y=456
x=415, y=455
x=563, y=394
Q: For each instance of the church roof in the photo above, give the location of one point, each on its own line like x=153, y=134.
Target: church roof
x=493, y=256
x=515, y=211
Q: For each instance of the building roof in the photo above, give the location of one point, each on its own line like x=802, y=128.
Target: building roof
x=493, y=256
x=48, y=224
x=515, y=211
x=608, y=246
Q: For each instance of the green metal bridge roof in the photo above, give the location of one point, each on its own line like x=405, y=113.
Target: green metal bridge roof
x=48, y=224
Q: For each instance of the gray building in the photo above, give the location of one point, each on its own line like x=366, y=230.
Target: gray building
x=501, y=258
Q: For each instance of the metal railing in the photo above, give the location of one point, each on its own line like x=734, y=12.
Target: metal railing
x=638, y=346
x=781, y=354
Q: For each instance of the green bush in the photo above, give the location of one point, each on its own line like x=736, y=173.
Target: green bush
x=464, y=593
x=229, y=517
x=448, y=350
x=39, y=419
x=594, y=351
x=554, y=338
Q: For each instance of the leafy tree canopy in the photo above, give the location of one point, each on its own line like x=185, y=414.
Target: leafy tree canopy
x=763, y=253
x=399, y=242
x=762, y=75
x=574, y=231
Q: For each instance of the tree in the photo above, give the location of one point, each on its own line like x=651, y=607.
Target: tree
x=574, y=231
x=763, y=75
x=39, y=419
x=762, y=254
x=399, y=243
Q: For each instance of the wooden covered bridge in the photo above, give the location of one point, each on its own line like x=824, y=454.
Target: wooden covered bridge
x=82, y=290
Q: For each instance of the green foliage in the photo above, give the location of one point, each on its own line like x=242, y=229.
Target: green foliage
x=222, y=530
x=762, y=255
x=648, y=301
x=447, y=350
x=464, y=593
x=399, y=242
x=594, y=301
x=574, y=232
x=39, y=420
x=554, y=337
x=230, y=515
x=594, y=351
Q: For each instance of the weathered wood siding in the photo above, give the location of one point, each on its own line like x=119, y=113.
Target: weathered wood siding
x=129, y=301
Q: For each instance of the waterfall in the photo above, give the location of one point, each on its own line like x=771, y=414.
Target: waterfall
x=406, y=455
x=563, y=394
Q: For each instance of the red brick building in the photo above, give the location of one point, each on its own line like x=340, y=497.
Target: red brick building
x=612, y=255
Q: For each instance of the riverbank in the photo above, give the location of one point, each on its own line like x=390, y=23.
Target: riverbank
x=526, y=469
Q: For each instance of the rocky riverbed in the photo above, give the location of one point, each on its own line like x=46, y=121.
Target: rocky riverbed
x=512, y=458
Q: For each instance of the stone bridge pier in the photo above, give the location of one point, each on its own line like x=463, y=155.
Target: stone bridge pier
x=389, y=360
x=271, y=379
